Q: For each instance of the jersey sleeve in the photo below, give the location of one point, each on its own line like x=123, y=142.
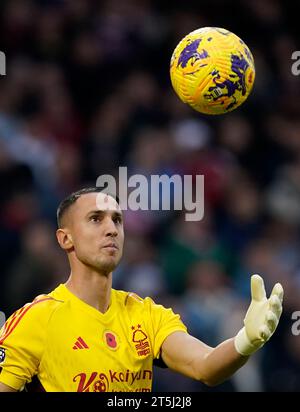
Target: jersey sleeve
x=164, y=322
x=22, y=340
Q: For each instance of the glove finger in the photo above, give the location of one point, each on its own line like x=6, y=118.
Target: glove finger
x=277, y=291
x=258, y=292
x=275, y=305
x=264, y=333
x=271, y=320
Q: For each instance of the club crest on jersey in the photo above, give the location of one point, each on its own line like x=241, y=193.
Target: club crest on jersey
x=111, y=339
x=140, y=339
x=2, y=355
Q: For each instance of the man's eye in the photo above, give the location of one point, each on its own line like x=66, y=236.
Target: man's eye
x=95, y=218
x=118, y=219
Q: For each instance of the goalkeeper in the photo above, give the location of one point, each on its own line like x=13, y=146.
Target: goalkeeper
x=86, y=336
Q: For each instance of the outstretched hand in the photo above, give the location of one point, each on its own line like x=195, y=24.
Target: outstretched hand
x=261, y=319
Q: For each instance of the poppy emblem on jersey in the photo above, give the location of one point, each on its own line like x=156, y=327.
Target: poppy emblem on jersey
x=2, y=355
x=140, y=339
x=111, y=339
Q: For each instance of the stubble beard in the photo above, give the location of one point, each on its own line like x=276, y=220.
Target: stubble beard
x=102, y=265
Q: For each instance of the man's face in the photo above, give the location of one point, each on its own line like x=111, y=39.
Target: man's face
x=95, y=225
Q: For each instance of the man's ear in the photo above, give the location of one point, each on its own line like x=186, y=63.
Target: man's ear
x=64, y=239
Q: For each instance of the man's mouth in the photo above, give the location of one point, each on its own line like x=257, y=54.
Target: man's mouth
x=111, y=246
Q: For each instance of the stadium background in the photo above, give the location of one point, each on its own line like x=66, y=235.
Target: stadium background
x=87, y=90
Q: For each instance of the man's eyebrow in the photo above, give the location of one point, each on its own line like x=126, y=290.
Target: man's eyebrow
x=102, y=212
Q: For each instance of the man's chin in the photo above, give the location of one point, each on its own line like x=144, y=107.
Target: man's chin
x=102, y=264
x=108, y=265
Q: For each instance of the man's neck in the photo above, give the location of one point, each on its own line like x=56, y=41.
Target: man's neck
x=92, y=287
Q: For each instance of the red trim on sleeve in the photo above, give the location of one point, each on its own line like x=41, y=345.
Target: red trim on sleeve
x=17, y=317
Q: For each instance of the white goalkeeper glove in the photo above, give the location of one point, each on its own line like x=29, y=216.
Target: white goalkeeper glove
x=261, y=319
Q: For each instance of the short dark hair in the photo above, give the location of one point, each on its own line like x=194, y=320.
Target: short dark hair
x=72, y=198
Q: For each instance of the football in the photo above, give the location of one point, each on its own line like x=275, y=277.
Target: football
x=212, y=70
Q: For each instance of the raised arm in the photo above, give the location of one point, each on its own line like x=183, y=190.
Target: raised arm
x=5, y=388
x=191, y=357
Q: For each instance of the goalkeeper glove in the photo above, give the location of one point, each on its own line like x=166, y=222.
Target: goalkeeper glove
x=261, y=319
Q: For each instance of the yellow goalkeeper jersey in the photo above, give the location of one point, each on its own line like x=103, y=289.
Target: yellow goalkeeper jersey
x=67, y=345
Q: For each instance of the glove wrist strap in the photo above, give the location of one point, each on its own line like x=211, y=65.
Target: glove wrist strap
x=243, y=345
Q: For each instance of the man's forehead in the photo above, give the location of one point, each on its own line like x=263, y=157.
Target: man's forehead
x=98, y=201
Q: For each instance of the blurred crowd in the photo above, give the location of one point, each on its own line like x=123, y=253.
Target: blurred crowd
x=87, y=90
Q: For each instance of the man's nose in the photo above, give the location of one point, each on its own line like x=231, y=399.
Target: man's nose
x=110, y=228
